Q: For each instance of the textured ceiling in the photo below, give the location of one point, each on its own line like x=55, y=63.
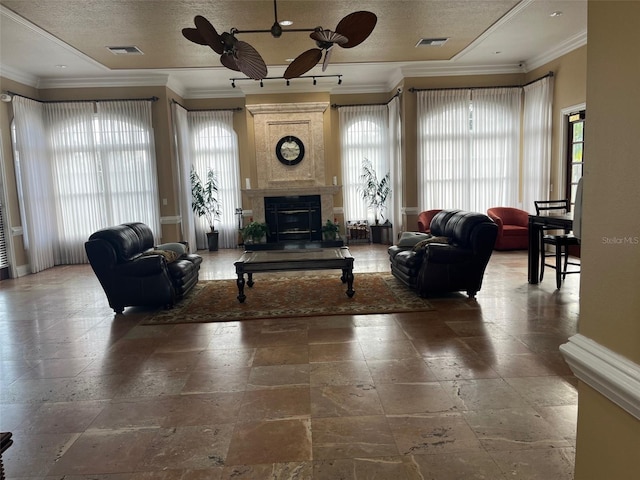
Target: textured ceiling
x=87, y=27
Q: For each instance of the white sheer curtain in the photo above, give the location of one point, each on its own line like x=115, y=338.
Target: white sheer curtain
x=38, y=206
x=538, y=103
x=127, y=153
x=183, y=154
x=468, y=148
x=363, y=134
x=77, y=181
x=443, y=144
x=395, y=158
x=82, y=166
x=495, y=150
x=214, y=144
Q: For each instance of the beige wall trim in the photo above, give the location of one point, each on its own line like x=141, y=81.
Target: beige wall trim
x=608, y=372
x=16, y=231
x=412, y=210
x=22, y=270
x=174, y=220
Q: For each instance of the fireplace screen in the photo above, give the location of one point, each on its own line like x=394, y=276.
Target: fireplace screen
x=293, y=218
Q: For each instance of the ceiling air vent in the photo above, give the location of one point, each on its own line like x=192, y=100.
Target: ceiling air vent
x=130, y=50
x=431, y=42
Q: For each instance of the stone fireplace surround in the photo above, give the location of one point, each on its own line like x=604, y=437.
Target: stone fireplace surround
x=271, y=123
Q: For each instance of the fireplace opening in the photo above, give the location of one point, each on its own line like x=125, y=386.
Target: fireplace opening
x=292, y=219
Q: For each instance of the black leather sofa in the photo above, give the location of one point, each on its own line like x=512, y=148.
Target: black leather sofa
x=133, y=273
x=454, y=262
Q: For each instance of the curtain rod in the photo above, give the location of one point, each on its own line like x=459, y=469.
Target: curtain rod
x=397, y=94
x=150, y=99
x=234, y=109
x=412, y=90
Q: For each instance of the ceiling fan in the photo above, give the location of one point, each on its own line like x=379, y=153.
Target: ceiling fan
x=237, y=55
x=351, y=31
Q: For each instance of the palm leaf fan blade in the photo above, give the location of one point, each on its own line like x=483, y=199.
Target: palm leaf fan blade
x=303, y=63
x=229, y=61
x=193, y=35
x=356, y=26
x=327, y=57
x=250, y=61
x=209, y=34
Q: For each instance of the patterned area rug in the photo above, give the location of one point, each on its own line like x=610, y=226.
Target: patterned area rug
x=280, y=296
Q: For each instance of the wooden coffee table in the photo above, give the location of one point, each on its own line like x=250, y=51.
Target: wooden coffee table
x=294, y=259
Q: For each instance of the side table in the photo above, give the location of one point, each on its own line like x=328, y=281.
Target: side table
x=381, y=233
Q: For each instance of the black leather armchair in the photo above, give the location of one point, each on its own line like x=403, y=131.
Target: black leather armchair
x=132, y=273
x=456, y=261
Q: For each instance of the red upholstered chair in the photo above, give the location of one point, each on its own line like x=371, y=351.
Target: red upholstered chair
x=424, y=220
x=513, y=228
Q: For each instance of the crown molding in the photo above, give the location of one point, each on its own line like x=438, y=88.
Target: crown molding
x=130, y=80
x=446, y=69
x=18, y=76
x=575, y=42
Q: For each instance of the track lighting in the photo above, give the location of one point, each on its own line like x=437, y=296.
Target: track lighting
x=314, y=77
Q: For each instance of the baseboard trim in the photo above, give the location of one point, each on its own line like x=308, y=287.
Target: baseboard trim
x=22, y=270
x=614, y=376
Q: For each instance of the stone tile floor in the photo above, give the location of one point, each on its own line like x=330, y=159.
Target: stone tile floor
x=471, y=390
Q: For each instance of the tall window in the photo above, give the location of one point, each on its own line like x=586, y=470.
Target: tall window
x=82, y=166
x=575, y=152
x=214, y=145
x=468, y=145
x=364, y=135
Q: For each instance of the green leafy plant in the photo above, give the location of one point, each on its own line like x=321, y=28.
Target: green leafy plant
x=204, y=197
x=331, y=227
x=373, y=191
x=255, y=231
x=330, y=230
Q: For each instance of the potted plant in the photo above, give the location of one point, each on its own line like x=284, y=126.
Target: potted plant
x=373, y=191
x=254, y=232
x=205, y=203
x=330, y=230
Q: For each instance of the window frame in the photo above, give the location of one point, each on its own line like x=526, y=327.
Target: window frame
x=573, y=118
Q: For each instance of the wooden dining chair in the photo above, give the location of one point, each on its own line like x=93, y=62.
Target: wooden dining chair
x=560, y=241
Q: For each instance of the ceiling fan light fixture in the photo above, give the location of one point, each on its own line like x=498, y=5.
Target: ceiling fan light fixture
x=431, y=42
x=237, y=55
x=286, y=23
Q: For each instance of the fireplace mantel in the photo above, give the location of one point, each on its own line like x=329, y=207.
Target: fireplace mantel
x=326, y=193
x=293, y=190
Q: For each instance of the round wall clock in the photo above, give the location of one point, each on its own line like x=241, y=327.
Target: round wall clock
x=290, y=150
